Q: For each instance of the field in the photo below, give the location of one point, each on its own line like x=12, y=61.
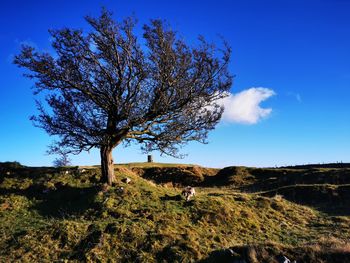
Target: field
x=239, y=214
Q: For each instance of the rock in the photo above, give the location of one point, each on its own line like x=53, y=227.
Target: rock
x=283, y=259
x=120, y=190
x=80, y=170
x=127, y=180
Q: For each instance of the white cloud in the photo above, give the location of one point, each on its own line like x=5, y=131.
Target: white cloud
x=244, y=107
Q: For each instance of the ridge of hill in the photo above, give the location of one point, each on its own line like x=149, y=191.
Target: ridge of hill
x=319, y=165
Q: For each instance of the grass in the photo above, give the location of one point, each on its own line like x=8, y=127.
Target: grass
x=49, y=215
x=152, y=164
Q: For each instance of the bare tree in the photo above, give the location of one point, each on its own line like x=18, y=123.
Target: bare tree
x=103, y=87
x=62, y=159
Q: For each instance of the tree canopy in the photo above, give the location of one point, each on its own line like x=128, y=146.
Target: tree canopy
x=108, y=86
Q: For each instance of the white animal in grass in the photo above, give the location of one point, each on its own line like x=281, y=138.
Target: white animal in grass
x=188, y=192
x=127, y=180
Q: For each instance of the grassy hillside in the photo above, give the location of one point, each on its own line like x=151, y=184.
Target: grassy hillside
x=258, y=215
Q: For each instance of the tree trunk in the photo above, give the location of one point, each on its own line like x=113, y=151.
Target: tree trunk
x=107, y=166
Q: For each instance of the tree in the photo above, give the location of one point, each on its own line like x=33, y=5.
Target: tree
x=63, y=159
x=103, y=87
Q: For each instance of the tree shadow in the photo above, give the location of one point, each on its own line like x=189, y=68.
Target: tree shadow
x=64, y=201
x=51, y=196
x=171, y=198
x=68, y=201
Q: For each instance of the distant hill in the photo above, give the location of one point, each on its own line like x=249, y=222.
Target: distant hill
x=324, y=165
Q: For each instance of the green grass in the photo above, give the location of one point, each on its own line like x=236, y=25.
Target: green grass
x=47, y=215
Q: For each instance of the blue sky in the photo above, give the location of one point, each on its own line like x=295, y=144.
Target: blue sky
x=289, y=102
